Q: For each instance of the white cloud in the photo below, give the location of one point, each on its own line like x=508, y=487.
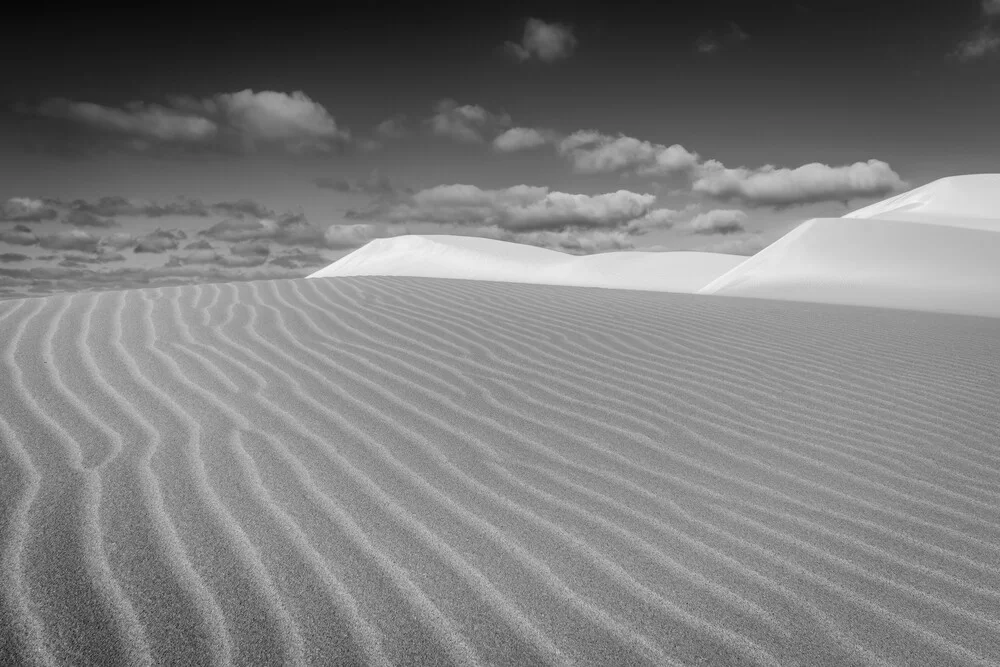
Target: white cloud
x=292, y=122
x=592, y=152
x=522, y=207
x=547, y=42
x=468, y=123
x=810, y=183
x=523, y=138
x=718, y=221
x=26, y=209
x=978, y=45
x=392, y=128
x=349, y=236
x=137, y=119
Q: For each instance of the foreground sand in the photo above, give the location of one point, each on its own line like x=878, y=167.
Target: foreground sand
x=425, y=471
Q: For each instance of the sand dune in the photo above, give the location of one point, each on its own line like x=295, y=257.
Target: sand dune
x=473, y=258
x=393, y=471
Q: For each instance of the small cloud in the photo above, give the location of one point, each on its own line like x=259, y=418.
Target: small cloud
x=242, y=208
x=251, y=249
x=245, y=120
x=467, y=123
x=348, y=236
x=980, y=44
x=713, y=42
x=201, y=244
x=392, y=128
x=718, y=221
x=547, y=42
x=26, y=209
x=99, y=257
x=592, y=152
x=375, y=184
x=160, y=240
x=211, y=257
x=19, y=235
x=991, y=8
x=74, y=239
x=118, y=240
x=298, y=259
x=115, y=206
x=13, y=257
x=85, y=219
x=523, y=138
x=809, y=184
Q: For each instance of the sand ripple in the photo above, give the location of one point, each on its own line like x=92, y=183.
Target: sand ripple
x=389, y=471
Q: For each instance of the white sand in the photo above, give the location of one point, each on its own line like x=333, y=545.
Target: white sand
x=391, y=470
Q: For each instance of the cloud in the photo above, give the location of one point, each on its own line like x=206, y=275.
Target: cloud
x=985, y=40
x=660, y=218
x=375, y=184
x=298, y=259
x=202, y=257
x=26, y=209
x=288, y=230
x=74, y=239
x=979, y=44
x=118, y=240
x=19, y=235
x=137, y=119
x=592, y=152
x=85, y=219
x=718, y=221
x=242, y=208
x=245, y=121
x=251, y=249
x=522, y=207
x=808, y=184
x=523, y=138
x=348, y=236
x=102, y=256
x=392, y=128
x=547, y=42
x=115, y=206
x=713, y=42
x=201, y=244
x=160, y=240
x=467, y=123
x=13, y=257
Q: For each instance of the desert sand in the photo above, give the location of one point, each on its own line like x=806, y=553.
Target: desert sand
x=393, y=470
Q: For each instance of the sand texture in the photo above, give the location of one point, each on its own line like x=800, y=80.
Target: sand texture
x=421, y=471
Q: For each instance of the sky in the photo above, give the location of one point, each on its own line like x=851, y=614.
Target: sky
x=213, y=143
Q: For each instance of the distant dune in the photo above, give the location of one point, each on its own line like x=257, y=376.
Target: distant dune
x=472, y=258
x=935, y=248
x=390, y=471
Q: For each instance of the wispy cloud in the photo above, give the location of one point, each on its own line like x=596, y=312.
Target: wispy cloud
x=714, y=41
x=984, y=41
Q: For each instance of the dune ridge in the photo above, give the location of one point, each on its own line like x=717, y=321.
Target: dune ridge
x=385, y=470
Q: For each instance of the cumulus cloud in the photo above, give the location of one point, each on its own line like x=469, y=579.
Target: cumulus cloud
x=245, y=120
x=115, y=206
x=85, y=219
x=101, y=256
x=242, y=208
x=522, y=207
x=160, y=240
x=251, y=249
x=348, y=236
x=713, y=42
x=288, y=230
x=718, y=221
x=523, y=138
x=467, y=123
x=74, y=239
x=19, y=235
x=26, y=209
x=592, y=152
x=118, y=240
x=202, y=257
x=547, y=42
x=808, y=184
x=13, y=257
x=201, y=244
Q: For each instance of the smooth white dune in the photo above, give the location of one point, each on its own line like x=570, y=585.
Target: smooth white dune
x=935, y=248
x=472, y=258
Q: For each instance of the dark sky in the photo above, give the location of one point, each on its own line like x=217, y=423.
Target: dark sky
x=741, y=85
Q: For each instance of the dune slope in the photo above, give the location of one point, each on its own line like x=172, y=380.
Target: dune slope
x=472, y=258
x=390, y=470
